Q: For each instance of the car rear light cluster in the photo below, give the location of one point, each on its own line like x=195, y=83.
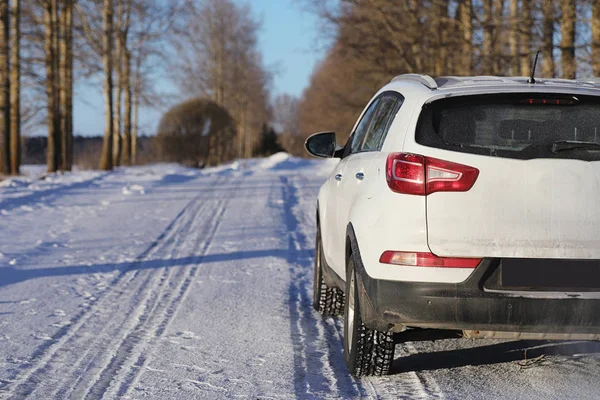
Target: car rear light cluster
x=419, y=175
x=413, y=259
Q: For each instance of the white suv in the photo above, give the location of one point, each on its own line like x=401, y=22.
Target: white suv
x=462, y=203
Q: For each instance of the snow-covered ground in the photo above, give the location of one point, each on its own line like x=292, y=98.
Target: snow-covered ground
x=167, y=282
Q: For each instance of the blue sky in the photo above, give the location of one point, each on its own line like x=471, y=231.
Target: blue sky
x=291, y=45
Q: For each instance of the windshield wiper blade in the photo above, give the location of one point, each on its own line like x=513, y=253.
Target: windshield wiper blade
x=565, y=145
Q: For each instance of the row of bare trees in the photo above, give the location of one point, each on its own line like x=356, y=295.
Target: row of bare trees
x=126, y=36
x=211, y=45
x=46, y=45
x=374, y=40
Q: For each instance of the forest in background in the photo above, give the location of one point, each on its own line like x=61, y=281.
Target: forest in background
x=209, y=51
x=207, y=48
x=375, y=40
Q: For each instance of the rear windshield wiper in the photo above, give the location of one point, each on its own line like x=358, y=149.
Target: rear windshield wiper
x=565, y=145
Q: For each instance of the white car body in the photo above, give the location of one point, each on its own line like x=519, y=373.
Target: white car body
x=538, y=208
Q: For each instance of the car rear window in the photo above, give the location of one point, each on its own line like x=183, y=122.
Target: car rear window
x=521, y=126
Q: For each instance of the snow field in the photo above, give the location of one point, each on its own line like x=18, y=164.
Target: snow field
x=167, y=282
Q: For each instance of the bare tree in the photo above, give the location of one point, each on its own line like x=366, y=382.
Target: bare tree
x=137, y=94
x=548, y=11
x=126, y=82
x=441, y=25
x=15, y=89
x=286, y=119
x=466, y=21
x=53, y=150
x=499, y=39
x=106, y=160
x=488, y=34
x=568, y=8
x=513, y=40
x=65, y=85
x=118, y=69
x=4, y=89
x=68, y=83
x=527, y=42
x=218, y=58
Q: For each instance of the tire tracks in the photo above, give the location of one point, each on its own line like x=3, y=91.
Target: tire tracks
x=130, y=355
x=318, y=358
x=110, y=330
x=45, y=355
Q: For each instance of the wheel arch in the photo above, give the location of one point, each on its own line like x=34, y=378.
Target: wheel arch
x=370, y=317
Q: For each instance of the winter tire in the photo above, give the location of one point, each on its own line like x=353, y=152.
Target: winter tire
x=326, y=300
x=366, y=351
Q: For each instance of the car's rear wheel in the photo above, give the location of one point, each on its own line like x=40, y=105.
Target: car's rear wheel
x=326, y=299
x=366, y=351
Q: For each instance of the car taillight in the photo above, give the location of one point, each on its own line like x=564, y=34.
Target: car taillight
x=419, y=175
x=412, y=259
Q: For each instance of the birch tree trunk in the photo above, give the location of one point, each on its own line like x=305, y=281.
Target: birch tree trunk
x=64, y=82
x=15, y=89
x=126, y=82
x=56, y=26
x=68, y=107
x=137, y=93
x=4, y=89
x=567, y=45
x=107, y=47
x=117, y=65
x=127, y=106
x=50, y=53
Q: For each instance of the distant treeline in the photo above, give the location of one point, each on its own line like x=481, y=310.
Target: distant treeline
x=86, y=150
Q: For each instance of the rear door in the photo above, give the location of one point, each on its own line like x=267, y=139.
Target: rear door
x=532, y=198
x=358, y=171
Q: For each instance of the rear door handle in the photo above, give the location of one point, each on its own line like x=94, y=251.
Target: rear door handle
x=338, y=177
x=360, y=176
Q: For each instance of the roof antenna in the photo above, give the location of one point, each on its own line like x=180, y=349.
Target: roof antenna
x=532, y=77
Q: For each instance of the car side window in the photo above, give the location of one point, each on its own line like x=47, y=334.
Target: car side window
x=383, y=117
x=356, y=140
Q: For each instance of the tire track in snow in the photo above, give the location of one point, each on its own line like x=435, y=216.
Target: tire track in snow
x=91, y=328
x=318, y=358
x=45, y=355
x=131, y=355
x=99, y=359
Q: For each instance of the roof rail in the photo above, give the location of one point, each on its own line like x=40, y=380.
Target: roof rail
x=424, y=80
x=593, y=81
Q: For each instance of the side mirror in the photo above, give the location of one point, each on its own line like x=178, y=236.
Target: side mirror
x=323, y=145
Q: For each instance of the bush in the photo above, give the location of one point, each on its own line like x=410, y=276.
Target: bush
x=197, y=132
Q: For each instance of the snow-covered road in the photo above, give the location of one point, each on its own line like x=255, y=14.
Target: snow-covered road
x=166, y=282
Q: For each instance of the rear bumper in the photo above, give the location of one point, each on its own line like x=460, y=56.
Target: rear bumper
x=472, y=306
